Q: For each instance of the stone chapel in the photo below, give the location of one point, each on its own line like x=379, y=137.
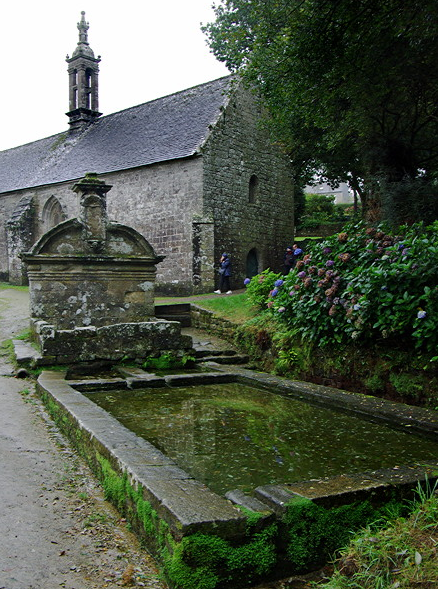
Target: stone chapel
x=195, y=173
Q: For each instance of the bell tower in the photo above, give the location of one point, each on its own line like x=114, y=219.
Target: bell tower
x=83, y=70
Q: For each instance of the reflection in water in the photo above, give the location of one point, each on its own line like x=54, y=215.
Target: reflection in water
x=232, y=436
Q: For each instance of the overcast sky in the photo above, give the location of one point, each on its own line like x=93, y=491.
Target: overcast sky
x=149, y=48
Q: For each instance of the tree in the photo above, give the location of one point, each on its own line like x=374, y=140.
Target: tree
x=351, y=87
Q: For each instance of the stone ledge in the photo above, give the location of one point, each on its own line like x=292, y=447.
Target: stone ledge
x=186, y=505
x=25, y=353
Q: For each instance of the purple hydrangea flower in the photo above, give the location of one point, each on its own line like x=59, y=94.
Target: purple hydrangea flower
x=301, y=274
x=327, y=250
x=421, y=314
x=329, y=263
x=292, y=292
x=274, y=292
x=282, y=309
x=246, y=281
x=278, y=282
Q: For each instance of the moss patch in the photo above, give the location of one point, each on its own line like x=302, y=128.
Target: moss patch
x=314, y=533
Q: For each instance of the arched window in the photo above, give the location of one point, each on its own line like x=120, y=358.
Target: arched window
x=52, y=213
x=253, y=188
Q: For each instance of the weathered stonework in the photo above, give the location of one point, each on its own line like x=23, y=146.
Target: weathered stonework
x=19, y=235
x=110, y=343
x=250, y=226
x=92, y=287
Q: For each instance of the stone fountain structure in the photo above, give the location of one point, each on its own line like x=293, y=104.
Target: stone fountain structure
x=92, y=287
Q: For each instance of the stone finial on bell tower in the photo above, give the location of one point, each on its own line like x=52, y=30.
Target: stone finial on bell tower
x=83, y=70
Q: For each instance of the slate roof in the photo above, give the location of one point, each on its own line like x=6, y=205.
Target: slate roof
x=164, y=129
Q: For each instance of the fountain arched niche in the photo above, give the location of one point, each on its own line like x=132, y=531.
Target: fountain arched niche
x=92, y=280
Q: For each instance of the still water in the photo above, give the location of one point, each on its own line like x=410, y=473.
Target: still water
x=232, y=436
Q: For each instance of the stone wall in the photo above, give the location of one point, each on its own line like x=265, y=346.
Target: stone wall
x=12, y=215
x=160, y=202
x=238, y=151
x=210, y=322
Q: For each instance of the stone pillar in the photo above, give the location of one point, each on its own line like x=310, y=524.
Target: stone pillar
x=20, y=236
x=203, y=255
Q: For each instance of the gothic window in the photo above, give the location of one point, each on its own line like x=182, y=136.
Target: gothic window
x=253, y=189
x=52, y=213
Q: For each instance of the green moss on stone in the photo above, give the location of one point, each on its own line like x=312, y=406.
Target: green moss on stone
x=315, y=533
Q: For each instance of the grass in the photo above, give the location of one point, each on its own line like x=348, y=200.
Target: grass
x=403, y=554
x=183, y=299
x=27, y=394
x=306, y=237
x=7, y=286
x=236, y=308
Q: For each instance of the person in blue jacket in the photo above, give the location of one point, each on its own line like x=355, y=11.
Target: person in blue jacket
x=225, y=273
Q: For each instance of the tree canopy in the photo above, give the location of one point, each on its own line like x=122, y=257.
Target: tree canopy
x=351, y=87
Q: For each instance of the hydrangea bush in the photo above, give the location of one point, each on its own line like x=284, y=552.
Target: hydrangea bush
x=364, y=284
x=259, y=287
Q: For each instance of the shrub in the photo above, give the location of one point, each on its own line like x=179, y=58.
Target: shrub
x=260, y=286
x=363, y=285
x=320, y=209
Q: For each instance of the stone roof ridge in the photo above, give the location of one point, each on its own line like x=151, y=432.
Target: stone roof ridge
x=164, y=129
x=60, y=148
x=34, y=142
x=173, y=94
x=232, y=86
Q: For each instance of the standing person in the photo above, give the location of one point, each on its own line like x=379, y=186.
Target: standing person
x=225, y=273
x=288, y=260
x=297, y=253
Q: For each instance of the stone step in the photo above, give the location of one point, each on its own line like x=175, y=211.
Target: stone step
x=196, y=379
x=174, y=312
x=185, y=320
x=235, y=359
x=250, y=503
x=25, y=353
x=203, y=352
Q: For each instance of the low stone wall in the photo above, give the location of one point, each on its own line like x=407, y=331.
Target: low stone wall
x=208, y=321
x=110, y=342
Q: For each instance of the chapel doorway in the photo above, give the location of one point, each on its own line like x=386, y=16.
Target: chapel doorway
x=252, y=263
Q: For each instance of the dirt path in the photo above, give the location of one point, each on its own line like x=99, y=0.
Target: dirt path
x=57, y=530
